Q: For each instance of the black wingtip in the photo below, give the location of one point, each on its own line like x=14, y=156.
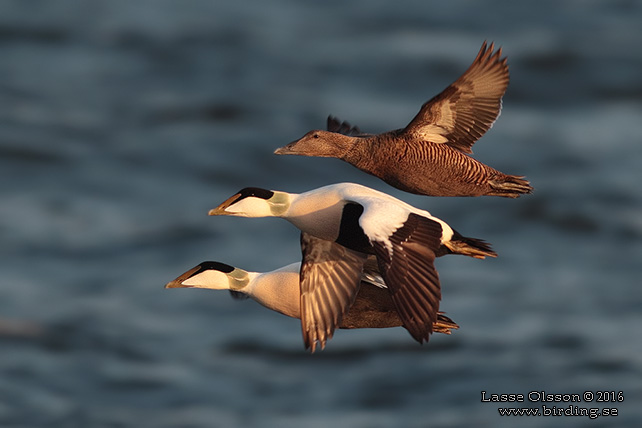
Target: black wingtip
x=421, y=335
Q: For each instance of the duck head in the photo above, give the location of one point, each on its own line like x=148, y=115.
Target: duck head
x=212, y=275
x=319, y=143
x=254, y=202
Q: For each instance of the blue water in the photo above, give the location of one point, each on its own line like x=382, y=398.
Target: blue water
x=122, y=123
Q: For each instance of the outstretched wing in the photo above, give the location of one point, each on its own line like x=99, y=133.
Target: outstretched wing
x=406, y=265
x=330, y=279
x=466, y=109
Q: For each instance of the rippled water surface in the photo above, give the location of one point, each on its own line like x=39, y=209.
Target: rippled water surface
x=122, y=123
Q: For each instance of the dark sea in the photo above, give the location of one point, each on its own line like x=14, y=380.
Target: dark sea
x=123, y=122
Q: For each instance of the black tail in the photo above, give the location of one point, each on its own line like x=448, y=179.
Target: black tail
x=471, y=247
x=443, y=324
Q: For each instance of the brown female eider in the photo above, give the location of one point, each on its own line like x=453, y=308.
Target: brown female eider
x=430, y=155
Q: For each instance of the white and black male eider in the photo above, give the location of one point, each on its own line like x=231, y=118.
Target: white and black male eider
x=280, y=291
x=430, y=155
x=352, y=221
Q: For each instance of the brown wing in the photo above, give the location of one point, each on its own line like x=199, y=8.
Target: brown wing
x=465, y=110
x=330, y=279
x=375, y=290
x=408, y=271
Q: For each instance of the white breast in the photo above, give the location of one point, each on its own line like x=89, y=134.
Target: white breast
x=278, y=290
x=317, y=213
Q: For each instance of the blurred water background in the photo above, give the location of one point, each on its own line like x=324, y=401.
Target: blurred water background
x=122, y=122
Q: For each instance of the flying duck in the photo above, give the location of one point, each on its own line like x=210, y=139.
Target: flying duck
x=279, y=291
x=348, y=222
x=430, y=156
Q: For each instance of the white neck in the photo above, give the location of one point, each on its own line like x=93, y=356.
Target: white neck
x=277, y=290
x=317, y=212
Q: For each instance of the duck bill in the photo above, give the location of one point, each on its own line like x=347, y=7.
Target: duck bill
x=178, y=282
x=287, y=149
x=220, y=210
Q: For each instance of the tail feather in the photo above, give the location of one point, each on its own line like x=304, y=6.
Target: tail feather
x=443, y=324
x=471, y=247
x=510, y=186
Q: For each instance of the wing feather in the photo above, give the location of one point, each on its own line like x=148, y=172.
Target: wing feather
x=409, y=272
x=465, y=110
x=329, y=279
x=334, y=124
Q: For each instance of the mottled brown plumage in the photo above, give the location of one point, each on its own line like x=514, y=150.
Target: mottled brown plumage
x=430, y=155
